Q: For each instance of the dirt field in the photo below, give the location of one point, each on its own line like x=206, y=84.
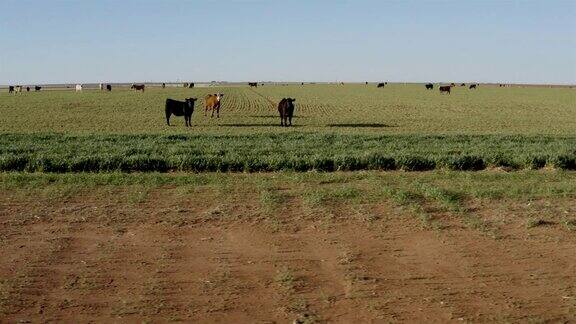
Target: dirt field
x=125, y=253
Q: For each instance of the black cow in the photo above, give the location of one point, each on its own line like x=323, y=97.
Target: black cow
x=27, y=89
x=37, y=88
x=191, y=85
x=445, y=89
x=429, y=86
x=286, y=110
x=108, y=87
x=163, y=85
x=253, y=84
x=10, y=89
x=180, y=108
x=473, y=86
x=463, y=84
x=381, y=85
x=137, y=87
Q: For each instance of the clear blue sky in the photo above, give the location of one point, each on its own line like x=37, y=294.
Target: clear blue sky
x=143, y=40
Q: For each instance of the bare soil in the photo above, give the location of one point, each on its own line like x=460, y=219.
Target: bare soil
x=199, y=258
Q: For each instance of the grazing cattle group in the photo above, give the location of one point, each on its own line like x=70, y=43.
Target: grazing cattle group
x=212, y=102
x=286, y=110
x=180, y=108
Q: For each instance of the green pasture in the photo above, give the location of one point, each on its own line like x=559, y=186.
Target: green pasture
x=336, y=127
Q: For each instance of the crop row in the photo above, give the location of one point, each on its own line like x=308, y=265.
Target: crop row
x=269, y=152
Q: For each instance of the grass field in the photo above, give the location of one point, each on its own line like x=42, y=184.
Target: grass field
x=349, y=109
x=337, y=127
x=107, y=214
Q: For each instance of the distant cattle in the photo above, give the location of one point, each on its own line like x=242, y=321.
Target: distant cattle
x=10, y=89
x=19, y=89
x=253, y=84
x=429, y=86
x=78, y=87
x=463, y=84
x=445, y=89
x=27, y=89
x=191, y=85
x=180, y=108
x=101, y=86
x=380, y=85
x=37, y=88
x=109, y=87
x=366, y=82
x=138, y=87
x=163, y=85
x=212, y=102
x=472, y=86
x=286, y=110
x=301, y=83
x=452, y=84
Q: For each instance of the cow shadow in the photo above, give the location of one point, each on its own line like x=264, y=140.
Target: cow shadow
x=257, y=125
x=272, y=116
x=367, y=125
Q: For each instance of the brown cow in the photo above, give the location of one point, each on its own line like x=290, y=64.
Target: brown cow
x=212, y=102
x=445, y=89
x=138, y=87
x=286, y=110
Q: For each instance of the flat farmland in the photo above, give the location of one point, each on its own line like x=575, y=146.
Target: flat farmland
x=282, y=247
x=336, y=127
x=109, y=215
x=324, y=109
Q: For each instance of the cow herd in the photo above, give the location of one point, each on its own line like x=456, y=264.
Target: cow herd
x=446, y=89
x=20, y=89
x=212, y=102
